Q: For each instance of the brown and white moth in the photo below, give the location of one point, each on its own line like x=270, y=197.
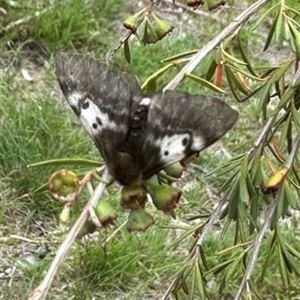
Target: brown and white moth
x=138, y=135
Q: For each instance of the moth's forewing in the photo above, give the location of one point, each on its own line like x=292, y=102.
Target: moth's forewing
x=102, y=98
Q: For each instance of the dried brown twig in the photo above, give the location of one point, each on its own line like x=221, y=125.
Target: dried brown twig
x=41, y=291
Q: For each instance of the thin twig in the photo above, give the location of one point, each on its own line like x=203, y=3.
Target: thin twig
x=259, y=238
x=41, y=291
x=233, y=26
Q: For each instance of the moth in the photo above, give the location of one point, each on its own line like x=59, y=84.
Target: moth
x=138, y=135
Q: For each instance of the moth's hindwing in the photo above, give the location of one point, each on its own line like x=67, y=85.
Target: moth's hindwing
x=181, y=124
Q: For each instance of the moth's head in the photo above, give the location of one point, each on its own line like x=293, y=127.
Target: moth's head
x=124, y=169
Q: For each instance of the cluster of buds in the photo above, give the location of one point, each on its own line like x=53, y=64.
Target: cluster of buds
x=165, y=197
x=152, y=27
x=65, y=185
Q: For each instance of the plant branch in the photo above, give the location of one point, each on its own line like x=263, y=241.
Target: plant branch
x=257, y=243
x=197, y=58
x=41, y=291
x=259, y=238
x=262, y=136
x=205, y=230
x=128, y=34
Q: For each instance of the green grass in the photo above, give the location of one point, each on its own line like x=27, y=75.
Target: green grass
x=36, y=124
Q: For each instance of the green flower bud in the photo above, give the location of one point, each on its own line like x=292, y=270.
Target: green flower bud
x=133, y=197
x=162, y=27
x=175, y=170
x=131, y=21
x=105, y=213
x=149, y=35
x=139, y=220
x=164, y=197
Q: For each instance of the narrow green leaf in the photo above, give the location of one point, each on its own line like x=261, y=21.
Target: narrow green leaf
x=282, y=268
x=253, y=213
x=205, y=83
x=296, y=116
x=271, y=32
x=220, y=267
x=211, y=69
x=254, y=290
x=296, y=37
x=233, y=199
x=247, y=74
x=286, y=97
x=236, y=82
x=228, y=182
x=245, y=57
x=179, y=56
x=200, y=282
x=243, y=187
x=290, y=198
x=203, y=257
x=193, y=284
x=64, y=161
x=279, y=210
x=232, y=59
x=264, y=16
x=284, y=131
x=269, y=255
x=278, y=26
x=156, y=75
x=292, y=251
x=127, y=51
x=242, y=217
x=280, y=72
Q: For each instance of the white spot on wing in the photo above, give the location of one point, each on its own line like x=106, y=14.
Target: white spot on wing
x=145, y=101
x=171, y=147
x=74, y=98
x=88, y=117
x=198, y=143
